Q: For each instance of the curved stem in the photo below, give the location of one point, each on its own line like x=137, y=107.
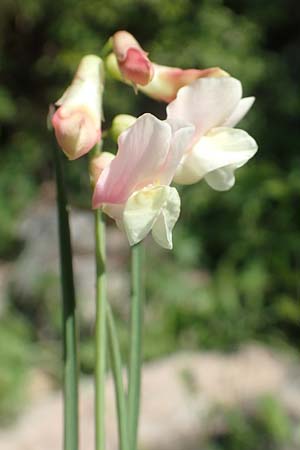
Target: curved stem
x=135, y=362
x=100, y=332
x=116, y=364
x=69, y=313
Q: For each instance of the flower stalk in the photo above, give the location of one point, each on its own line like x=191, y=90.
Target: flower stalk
x=136, y=331
x=100, y=324
x=117, y=370
x=105, y=326
x=100, y=331
x=69, y=312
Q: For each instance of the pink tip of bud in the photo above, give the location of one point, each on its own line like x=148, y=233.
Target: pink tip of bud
x=136, y=67
x=75, y=131
x=132, y=59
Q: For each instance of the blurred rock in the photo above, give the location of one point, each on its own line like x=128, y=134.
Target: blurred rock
x=180, y=393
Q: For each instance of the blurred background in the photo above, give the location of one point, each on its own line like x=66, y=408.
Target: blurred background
x=227, y=298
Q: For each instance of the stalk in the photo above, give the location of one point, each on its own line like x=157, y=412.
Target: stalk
x=135, y=358
x=116, y=363
x=100, y=331
x=70, y=357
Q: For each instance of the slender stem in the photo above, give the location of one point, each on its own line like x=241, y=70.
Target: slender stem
x=69, y=313
x=100, y=332
x=104, y=310
x=117, y=367
x=107, y=48
x=135, y=362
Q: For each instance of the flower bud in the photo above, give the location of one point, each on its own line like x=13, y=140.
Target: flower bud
x=98, y=164
x=77, y=121
x=133, y=61
x=120, y=123
x=168, y=80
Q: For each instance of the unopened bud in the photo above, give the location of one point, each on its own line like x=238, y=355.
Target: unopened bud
x=133, y=61
x=120, y=123
x=98, y=164
x=77, y=121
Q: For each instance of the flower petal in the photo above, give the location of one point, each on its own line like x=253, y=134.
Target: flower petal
x=240, y=111
x=182, y=135
x=168, y=80
x=115, y=212
x=221, y=179
x=221, y=148
x=162, y=228
x=142, y=210
x=206, y=103
x=143, y=150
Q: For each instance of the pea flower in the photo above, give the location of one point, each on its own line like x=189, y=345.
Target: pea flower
x=77, y=121
x=134, y=187
x=166, y=80
x=214, y=106
x=133, y=61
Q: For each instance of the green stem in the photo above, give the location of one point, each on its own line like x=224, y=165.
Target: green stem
x=135, y=362
x=107, y=48
x=69, y=313
x=104, y=311
x=117, y=367
x=100, y=332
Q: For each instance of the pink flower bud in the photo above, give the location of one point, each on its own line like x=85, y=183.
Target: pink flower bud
x=132, y=59
x=77, y=121
x=168, y=80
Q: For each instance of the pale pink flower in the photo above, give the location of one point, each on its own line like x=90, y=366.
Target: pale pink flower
x=132, y=59
x=214, y=106
x=77, y=121
x=134, y=188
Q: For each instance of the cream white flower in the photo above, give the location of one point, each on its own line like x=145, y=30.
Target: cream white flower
x=214, y=106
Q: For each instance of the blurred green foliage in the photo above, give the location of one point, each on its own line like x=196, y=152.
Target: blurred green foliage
x=235, y=268
x=16, y=360
x=266, y=428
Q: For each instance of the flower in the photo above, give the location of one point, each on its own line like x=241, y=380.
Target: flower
x=214, y=106
x=166, y=80
x=77, y=121
x=134, y=187
x=133, y=61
